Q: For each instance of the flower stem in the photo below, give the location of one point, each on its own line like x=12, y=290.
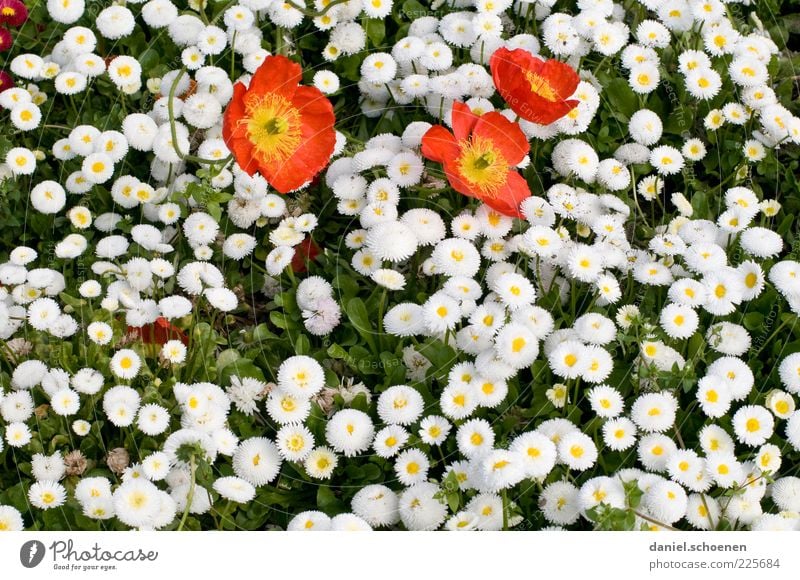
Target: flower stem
x=654, y=521
x=190, y=495
x=504, y=495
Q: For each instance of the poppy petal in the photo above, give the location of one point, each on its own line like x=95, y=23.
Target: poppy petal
x=317, y=141
x=463, y=120
x=277, y=74
x=235, y=112
x=506, y=135
x=457, y=181
x=561, y=77
x=439, y=144
x=508, y=199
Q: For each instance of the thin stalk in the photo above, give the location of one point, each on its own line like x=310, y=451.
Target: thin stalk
x=190, y=495
x=504, y=495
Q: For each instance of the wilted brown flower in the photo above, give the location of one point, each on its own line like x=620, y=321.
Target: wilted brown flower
x=266, y=391
x=325, y=400
x=19, y=347
x=118, y=460
x=75, y=462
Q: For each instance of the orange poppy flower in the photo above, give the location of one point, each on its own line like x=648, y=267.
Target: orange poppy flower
x=537, y=90
x=479, y=157
x=278, y=128
x=159, y=332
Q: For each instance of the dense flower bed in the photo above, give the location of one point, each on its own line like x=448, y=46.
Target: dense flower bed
x=476, y=264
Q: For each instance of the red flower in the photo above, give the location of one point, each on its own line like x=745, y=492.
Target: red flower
x=306, y=251
x=13, y=12
x=537, y=90
x=278, y=128
x=6, y=82
x=6, y=40
x=479, y=157
x=159, y=332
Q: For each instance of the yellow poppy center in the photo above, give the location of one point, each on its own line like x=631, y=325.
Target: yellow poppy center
x=273, y=126
x=482, y=166
x=541, y=87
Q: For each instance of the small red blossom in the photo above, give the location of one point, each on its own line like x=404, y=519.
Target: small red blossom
x=6, y=40
x=13, y=13
x=305, y=252
x=159, y=332
x=6, y=81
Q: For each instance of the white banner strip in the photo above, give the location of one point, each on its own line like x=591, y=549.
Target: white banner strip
x=389, y=555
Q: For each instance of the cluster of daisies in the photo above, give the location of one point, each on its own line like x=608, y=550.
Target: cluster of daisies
x=569, y=306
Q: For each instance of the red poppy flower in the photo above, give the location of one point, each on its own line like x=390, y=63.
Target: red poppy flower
x=278, y=128
x=537, y=90
x=159, y=332
x=479, y=157
x=13, y=12
x=305, y=252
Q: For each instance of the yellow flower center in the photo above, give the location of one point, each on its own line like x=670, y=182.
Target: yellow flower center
x=541, y=87
x=295, y=443
x=273, y=126
x=137, y=500
x=483, y=167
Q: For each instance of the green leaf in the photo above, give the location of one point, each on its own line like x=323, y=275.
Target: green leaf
x=226, y=357
x=411, y=10
x=148, y=59
x=240, y=368
x=337, y=352
x=328, y=502
x=278, y=319
x=302, y=345
x=262, y=333
x=621, y=97
x=357, y=314
x=376, y=31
